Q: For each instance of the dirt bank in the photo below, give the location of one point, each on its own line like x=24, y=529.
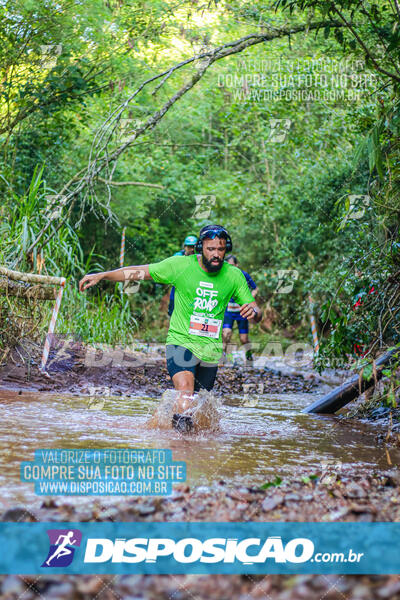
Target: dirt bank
x=351, y=494
x=71, y=370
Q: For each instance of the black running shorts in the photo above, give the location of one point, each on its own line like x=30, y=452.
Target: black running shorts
x=182, y=359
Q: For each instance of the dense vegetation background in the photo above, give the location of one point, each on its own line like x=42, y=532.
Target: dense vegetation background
x=283, y=116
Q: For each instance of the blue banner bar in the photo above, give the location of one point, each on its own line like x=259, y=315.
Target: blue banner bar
x=209, y=548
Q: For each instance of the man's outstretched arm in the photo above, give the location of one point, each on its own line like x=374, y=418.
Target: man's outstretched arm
x=125, y=274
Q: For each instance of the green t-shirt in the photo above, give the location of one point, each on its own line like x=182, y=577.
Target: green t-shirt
x=200, y=302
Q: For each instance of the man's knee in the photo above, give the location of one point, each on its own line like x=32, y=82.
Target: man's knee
x=183, y=381
x=226, y=334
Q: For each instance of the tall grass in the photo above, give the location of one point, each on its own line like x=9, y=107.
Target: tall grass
x=104, y=318
x=23, y=218
x=95, y=318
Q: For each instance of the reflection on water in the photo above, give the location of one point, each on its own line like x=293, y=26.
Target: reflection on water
x=252, y=445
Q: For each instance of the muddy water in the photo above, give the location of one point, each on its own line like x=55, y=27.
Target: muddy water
x=269, y=436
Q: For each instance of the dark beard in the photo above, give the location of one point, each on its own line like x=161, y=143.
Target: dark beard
x=211, y=268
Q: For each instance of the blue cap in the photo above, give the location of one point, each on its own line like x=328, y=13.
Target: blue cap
x=190, y=240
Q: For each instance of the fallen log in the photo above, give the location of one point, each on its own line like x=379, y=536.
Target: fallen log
x=30, y=277
x=28, y=285
x=348, y=391
x=26, y=290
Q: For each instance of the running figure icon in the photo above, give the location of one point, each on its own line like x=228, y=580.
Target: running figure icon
x=62, y=549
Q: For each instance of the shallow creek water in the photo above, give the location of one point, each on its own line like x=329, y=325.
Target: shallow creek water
x=256, y=440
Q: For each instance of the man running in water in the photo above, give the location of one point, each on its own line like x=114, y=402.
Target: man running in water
x=188, y=249
x=232, y=313
x=204, y=284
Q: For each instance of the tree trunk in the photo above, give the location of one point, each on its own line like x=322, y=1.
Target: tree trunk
x=351, y=389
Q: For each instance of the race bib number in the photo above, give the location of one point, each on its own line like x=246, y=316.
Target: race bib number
x=233, y=307
x=205, y=326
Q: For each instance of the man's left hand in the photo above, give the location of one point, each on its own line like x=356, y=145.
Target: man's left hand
x=248, y=311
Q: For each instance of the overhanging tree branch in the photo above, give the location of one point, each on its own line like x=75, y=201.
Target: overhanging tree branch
x=363, y=46
x=396, y=3
x=101, y=158
x=139, y=183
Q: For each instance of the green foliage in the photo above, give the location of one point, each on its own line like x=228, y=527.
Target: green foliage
x=276, y=482
x=285, y=194
x=23, y=219
x=103, y=319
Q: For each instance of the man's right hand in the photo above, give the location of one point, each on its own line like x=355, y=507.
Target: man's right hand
x=89, y=280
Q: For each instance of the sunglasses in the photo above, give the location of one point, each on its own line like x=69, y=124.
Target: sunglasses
x=213, y=234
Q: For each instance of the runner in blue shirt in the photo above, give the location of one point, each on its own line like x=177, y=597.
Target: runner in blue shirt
x=232, y=314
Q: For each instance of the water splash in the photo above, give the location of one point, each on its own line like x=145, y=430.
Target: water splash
x=203, y=411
